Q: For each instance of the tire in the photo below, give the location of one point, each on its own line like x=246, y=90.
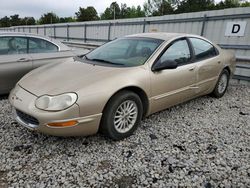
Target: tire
x=222, y=84
x=113, y=123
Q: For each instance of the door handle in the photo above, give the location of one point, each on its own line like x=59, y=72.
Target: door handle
x=218, y=62
x=191, y=69
x=23, y=60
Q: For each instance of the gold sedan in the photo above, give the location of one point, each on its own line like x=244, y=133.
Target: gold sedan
x=114, y=86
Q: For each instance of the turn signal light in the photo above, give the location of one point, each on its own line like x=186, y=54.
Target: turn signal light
x=63, y=124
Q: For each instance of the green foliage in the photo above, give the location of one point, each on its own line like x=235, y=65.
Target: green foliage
x=49, y=18
x=28, y=21
x=227, y=4
x=67, y=19
x=194, y=6
x=245, y=4
x=150, y=8
x=5, y=22
x=134, y=12
x=86, y=14
x=14, y=20
x=112, y=12
x=117, y=12
x=131, y=12
x=162, y=7
x=159, y=7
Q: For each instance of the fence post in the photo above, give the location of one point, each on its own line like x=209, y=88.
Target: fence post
x=23, y=29
x=85, y=32
x=203, y=24
x=54, y=31
x=109, y=31
x=144, y=25
x=44, y=30
x=29, y=30
x=67, y=32
x=37, y=30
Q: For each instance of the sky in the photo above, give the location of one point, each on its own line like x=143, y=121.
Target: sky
x=63, y=8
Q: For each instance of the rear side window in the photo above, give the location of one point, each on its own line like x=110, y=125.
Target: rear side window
x=13, y=45
x=203, y=49
x=37, y=45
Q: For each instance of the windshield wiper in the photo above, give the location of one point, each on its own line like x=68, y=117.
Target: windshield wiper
x=105, y=61
x=85, y=55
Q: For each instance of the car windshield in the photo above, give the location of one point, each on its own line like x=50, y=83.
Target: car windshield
x=125, y=51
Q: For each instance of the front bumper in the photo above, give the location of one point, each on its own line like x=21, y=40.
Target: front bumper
x=32, y=118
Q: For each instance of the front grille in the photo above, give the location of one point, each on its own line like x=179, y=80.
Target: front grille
x=27, y=118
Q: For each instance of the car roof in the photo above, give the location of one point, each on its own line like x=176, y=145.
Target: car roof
x=62, y=47
x=170, y=36
x=157, y=35
x=165, y=36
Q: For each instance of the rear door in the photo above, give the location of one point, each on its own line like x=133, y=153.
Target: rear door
x=208, y=64
x=14, y=61
x=43, y=51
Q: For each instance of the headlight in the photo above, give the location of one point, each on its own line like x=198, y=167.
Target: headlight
x=56, y=103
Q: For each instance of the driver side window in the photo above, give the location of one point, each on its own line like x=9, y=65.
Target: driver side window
x=178, y=51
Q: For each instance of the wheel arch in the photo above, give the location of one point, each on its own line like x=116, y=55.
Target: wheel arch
x=228, y=69
x=137, y=90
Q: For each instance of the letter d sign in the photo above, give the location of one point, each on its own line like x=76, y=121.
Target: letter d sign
x=235, y=29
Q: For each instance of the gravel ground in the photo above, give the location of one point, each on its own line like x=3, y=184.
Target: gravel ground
x=204, y=143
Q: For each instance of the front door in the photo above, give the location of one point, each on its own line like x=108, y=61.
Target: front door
x=173, y=86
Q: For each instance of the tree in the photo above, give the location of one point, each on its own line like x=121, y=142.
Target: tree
x=131, y=12
x=194, y=6
x=150, y=8
x=125, y=11
x=245, y=4
x=112, y=12
x=140, y=12
x=117, y=12
x=49, y=18
x=67, y=19
x=28, y=21
x=107, y=15
x=227, y=4
x=87, y=14
x=5, y=22
x=15, y=20
x=158, y=7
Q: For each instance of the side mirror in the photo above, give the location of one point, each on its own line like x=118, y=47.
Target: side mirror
x=168, y=64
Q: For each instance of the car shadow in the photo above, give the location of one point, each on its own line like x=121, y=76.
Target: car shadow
x=4, y=96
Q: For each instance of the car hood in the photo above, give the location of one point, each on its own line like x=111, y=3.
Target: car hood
x=70, y=76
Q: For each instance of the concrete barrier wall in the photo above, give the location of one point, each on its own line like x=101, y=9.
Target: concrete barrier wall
x=210, y=24
x=229, y=28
